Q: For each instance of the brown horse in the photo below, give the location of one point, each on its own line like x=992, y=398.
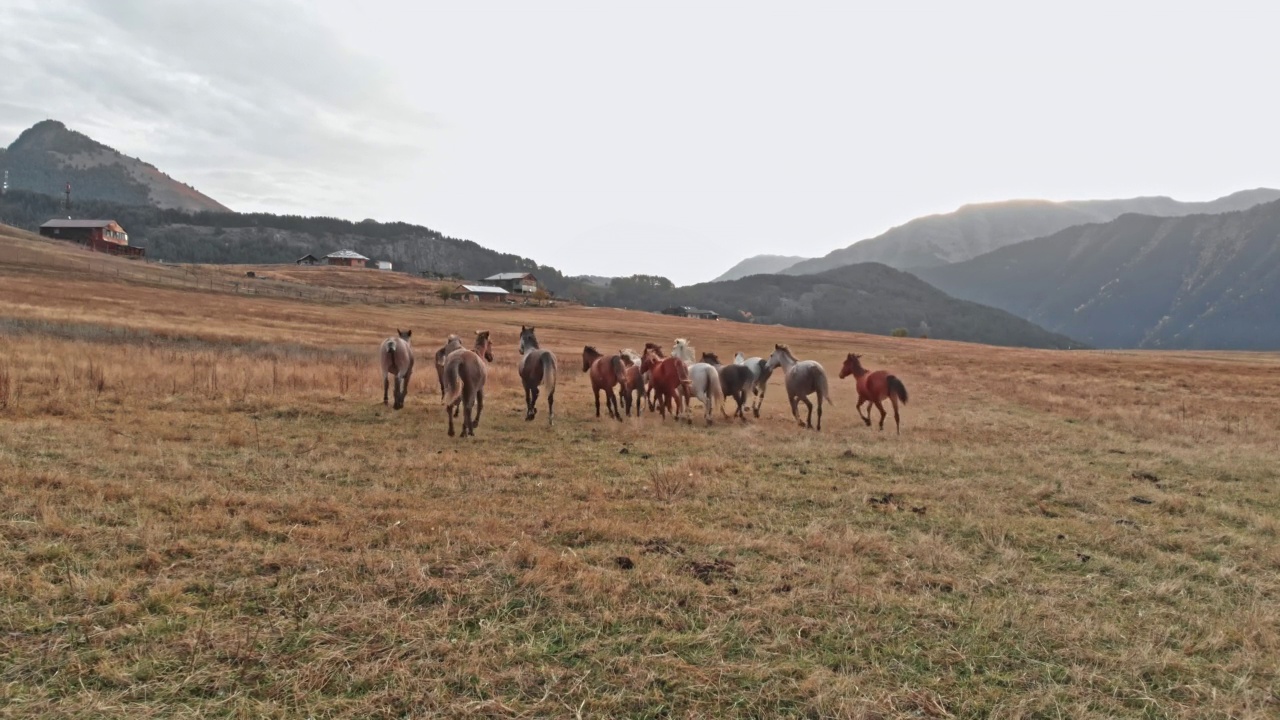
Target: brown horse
x=464, y=375
x=874, y=388
x=802, y=378
x=632, y=383
x=537, y=367
x=396, y=355
x=735, y=380
x=453, y=342
x=669, y=381
x=656, y=349
x=606, y=372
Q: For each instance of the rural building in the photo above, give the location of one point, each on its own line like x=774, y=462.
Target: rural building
x=382, y=264
x=99, y=235
x=516, y=282
x=479, y=293
x=691, y=312
x=307, y=260
x=346, y=258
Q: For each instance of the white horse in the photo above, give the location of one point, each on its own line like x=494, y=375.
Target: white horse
x=760, y=372
x=706, y=387
x=683, y=350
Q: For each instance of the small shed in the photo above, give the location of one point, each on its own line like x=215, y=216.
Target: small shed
x=517, y=282
x=346, y=258
x=479, y=293
x=308, y=259
x=382, y=264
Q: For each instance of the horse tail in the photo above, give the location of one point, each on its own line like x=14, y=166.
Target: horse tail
x=549, y=372
x=452, y=383
x=897, y=388
x=619, y=368
x=823, y=388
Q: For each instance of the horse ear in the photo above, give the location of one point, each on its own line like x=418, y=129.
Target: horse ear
x=408, y=333
x=776, y=346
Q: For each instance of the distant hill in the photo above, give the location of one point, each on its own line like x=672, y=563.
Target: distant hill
x=236, y=238
x=977, y=229
x=868, y=297
x=47, y=156
x=1196, y=282
x=596, y=280
x=760, y=265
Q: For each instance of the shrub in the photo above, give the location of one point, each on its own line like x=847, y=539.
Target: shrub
x=899, y=332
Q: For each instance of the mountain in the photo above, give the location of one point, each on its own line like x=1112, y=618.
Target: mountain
x=868, y=297
x=1195, y=282
x=47, y=156
x=760, y=265
x=977, y=229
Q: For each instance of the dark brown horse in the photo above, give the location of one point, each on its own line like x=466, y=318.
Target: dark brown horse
x=396, y=355
x=537, y=367
x=735, y=380
x=669, y=382
x=874, y=388
x=464, y=375
x=656, y=349
x=606, y=373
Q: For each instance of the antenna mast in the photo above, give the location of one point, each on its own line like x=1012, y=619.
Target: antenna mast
x=67, y=203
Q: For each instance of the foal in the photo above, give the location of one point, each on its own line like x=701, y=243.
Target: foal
x=397, y=359
x=873, y=389
x=464, y=375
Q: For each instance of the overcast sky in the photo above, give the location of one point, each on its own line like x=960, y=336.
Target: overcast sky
x=666, y=138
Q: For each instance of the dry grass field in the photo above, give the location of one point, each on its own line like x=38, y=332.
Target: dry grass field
x=207, y=511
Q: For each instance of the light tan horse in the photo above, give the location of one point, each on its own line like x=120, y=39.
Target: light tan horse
x=464, y=375
x=396, y=355
x=453, y=342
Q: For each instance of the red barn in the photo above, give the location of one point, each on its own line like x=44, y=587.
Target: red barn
x=100, y=235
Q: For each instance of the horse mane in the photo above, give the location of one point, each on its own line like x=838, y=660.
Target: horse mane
x=591, y=349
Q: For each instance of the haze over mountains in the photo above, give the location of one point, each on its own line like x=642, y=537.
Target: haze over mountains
x=759, y=265
x=973, y=230
x=1201, y=281
x=46, y=156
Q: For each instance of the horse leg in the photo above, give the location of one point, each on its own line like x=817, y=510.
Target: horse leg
x=809, y=418
x=533, y=404
x=755, y=409
x=819, y=412
x=611, y=404
x=466, y=417
x=479, y=409
x=795, y=409
x=385, y=384
x=551, y=407
x=893, y=399
x=867, y=418
x=879, y=406
x=448, y=412
x=596, y=390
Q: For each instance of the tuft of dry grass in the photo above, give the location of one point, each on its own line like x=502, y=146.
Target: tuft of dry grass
x=207, y=510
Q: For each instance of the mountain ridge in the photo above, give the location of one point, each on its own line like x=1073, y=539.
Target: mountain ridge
x=978, y=228
x=1202, y=281
x=759, y=265
x=47, y=155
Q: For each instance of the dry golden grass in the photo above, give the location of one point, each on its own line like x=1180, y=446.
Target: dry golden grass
x=207, y=511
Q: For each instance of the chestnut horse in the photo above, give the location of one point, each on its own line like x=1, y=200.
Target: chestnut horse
x=648, y=381
x=669, y=381
x=632, y=382
x=397, y=359
x=537, y=367
x=874, y=388
x=606, y=372
x=464, y=375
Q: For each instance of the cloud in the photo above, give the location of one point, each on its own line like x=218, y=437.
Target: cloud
x=233, y=96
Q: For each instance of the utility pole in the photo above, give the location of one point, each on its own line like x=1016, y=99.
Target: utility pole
x=67, y=203
x=4, y=187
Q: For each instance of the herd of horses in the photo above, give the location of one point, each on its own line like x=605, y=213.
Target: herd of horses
x=631, y=381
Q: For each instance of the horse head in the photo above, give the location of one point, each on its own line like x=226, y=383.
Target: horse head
x=710, y=358
x=528, y=341
x=851, y=366
x=781, y=356
x=739, y=358
x=589, y=355
x=484, y=346
x=404, y=334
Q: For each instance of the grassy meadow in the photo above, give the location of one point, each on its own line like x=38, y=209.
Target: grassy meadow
x=207, y=511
